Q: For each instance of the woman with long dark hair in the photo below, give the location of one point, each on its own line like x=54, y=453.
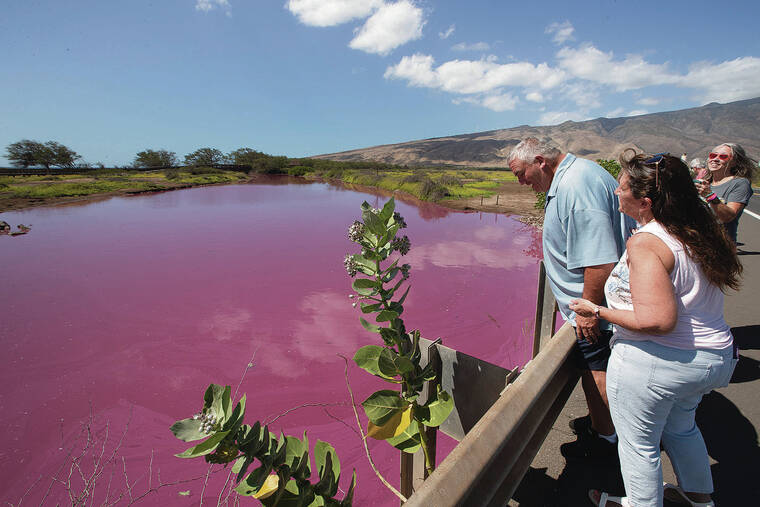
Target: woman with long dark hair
x=727, y=187
x=671, y=344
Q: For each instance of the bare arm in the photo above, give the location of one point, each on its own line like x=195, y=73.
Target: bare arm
x=726, y=211
x=594, y=278
x=654, y=305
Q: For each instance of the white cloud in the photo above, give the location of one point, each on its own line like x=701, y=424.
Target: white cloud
x=585, y=95
x=563, y=32
x=470, y=77
x=727, y=81
x=475, y=46
x=534, y=96
x=330, y=12
x=648, y=101
x=447, y=33
x=557, y=117
x=209, y=5
x=497, y=102
x=591, y=64
x=618, y=111
x=637, y=112
x=389, y=27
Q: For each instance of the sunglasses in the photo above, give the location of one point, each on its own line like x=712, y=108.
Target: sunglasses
x=656, y=159
x=722, y=156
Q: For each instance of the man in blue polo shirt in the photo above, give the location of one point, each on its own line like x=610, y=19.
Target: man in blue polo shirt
x=584, y=236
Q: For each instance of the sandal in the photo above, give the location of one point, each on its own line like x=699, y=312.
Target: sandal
x=685, y=500
x=605, y=497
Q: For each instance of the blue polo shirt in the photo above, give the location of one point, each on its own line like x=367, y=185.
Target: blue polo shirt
x=582, y=227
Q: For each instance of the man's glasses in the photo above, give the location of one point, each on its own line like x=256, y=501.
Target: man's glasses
x=722, y=156
x=656, y=159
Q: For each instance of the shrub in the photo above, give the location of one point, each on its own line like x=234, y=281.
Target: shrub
x=299, y=170
x=432, y=191
x=450, y=180
x=416, y=178
x=172, y=174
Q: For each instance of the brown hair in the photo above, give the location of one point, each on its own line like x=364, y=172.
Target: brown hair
x=676, y=205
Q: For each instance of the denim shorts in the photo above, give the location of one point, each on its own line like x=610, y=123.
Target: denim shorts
x=593, y=356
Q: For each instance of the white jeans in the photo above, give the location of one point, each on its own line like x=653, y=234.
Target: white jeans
x=654, y=392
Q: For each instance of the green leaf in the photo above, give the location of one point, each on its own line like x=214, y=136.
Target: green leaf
x=389, y=336
x=369, y=327
x=349, y=498
x=254, y=481
x=369, y=308
x=364, y=283
x=382, y=405
x=392, y=364
x=184, y=493
x=328, y=467
x=387, y=211
x=436, y=410
x=236, y=417
x=403, y=298
x=386, y=316
x=206, y=447
x=390, y=275
x=188, y=430
x=409, y=440
x=227, y=403
x=367, y=357
x=393, y=427
x=373, y=223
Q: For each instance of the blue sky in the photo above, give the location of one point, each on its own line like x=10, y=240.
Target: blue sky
x=304, y=77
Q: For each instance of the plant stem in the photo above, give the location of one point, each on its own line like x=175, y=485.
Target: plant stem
x=424, y=444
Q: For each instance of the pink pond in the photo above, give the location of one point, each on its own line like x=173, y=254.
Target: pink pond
x=116, y=315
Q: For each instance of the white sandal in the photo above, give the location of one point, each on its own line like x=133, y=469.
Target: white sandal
x=685, y=499
x=605, y=497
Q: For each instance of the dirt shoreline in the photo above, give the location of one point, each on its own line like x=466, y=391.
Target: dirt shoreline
x=511, y=199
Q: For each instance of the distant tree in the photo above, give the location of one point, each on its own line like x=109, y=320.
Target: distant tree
x=58, y=154
x=205, y=157
x=27, y=153
x=247, y=156
x=24, y=153
x=156, y=158
x=612, y=166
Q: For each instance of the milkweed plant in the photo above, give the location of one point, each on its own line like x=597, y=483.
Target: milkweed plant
x=395, y=415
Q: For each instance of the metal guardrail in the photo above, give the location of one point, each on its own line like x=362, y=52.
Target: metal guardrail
x=490, y=461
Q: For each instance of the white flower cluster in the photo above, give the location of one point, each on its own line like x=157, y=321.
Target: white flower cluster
x=356, y=231
x=405, y=270
x=351, y=265
x=207, y=422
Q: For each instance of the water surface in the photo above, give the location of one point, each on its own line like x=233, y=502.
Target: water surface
x=125, y=310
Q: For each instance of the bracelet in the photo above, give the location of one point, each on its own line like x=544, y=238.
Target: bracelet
x=597, y=309
x=712, y=197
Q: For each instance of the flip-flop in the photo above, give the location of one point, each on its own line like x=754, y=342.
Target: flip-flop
x=620, y=500
x=685, y=500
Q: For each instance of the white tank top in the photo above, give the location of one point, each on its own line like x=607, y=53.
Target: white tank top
x=700, y=323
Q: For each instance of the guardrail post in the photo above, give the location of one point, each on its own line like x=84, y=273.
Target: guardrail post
x=413, y=471
x=546, y=311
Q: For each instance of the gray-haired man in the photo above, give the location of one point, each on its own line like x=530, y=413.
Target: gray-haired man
x=583, y=238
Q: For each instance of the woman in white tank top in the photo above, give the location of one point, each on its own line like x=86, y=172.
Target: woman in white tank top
x=671, y=344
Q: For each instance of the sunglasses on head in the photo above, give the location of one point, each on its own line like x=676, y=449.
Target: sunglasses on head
x=656, y=159
x=722, y=156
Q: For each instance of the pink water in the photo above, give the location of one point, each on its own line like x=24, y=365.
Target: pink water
x=124, y=310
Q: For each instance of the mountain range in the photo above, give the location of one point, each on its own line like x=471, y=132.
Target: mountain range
x=693, y=131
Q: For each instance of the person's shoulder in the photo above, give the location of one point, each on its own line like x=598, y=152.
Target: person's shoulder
x=644, y=243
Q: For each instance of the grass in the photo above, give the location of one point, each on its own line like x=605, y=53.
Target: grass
x=427, y=184
x=103, y=182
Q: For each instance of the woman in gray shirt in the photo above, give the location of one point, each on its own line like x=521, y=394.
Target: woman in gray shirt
x=727, y=187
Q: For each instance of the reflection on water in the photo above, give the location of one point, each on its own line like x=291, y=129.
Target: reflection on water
x=132, y=306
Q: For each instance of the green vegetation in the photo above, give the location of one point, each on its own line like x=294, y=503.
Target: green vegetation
x=110, y=181
x=611, y=166
x=155, y=158
x=283, y=474
x=26, y=153
x=399, y=417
